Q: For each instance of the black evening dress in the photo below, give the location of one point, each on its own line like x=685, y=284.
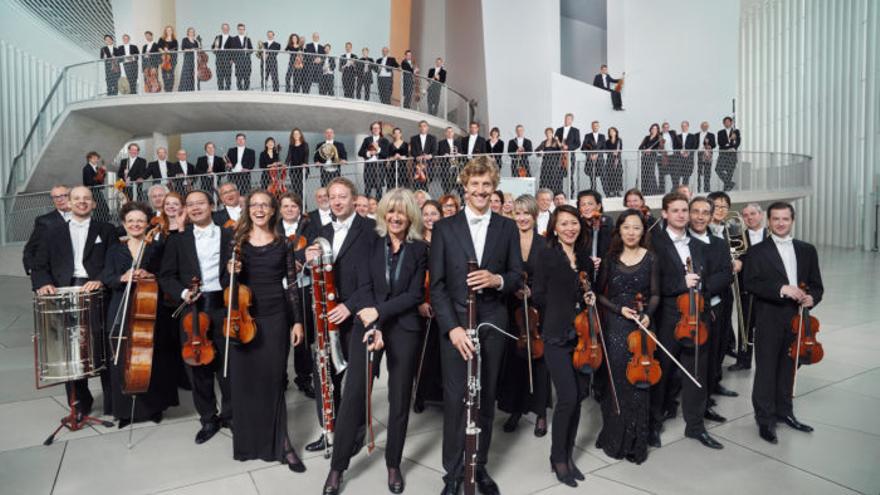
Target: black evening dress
x=257, y=369
x=625, y=435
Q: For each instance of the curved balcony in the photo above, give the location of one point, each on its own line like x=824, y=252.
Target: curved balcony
x=102, y=104
x=759, y=177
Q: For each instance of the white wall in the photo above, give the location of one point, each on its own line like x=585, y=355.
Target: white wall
x=428, y=32
x=583, y=48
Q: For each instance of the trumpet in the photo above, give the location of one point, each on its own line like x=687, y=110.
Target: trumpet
x=735, y=234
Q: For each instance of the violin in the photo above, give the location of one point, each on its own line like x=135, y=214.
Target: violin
x=646, y=212
x=805, y=346
x=595, y=219
x=230, y=224
x=240, y=325
x=587, y=355
x=298, y=241
x=198, y=350
x=642, y=370
x=166, y=62
x=527, y=319
x=101, y=174
x=278, y=178
x=420, y=173
x=690, y=326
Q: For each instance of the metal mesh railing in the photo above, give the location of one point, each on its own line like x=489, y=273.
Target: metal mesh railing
x=610, y=172
x=293, y=72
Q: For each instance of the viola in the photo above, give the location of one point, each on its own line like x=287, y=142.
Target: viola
x=240, y=325
x=197, y=350
x=690, y=326
x=587, y=355
x=527, y=319
x=642, y=370
x=805, y=346
x=420, y=172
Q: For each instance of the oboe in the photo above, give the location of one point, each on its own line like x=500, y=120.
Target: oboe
x=472, y=399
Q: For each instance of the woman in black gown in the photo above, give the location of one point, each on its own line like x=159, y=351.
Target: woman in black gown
x=398, y=150
x=188, y=45
x=630, y=269
x=558, y=295
x=297, y=158
x=613, y=179
x=495, y=146
x=162, y=392
x=430, y=384
x=513, y=391
x=168, y=47
x=650, y=145
x=257, y=369
x=551, y=162
x=294, y=68
x=268, y=157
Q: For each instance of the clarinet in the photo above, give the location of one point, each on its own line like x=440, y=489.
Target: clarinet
x=472, y=399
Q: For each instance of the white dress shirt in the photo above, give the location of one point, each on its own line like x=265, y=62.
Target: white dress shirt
x=79, y=231
x=239, y=154
x=210, y=160
x=704, y=237
x=183, y=167
x=208, y=253
x=565, y=130
x=681, y=245
x=163, y=169
x=785, y=246
x=451, y=143
x=376, y=156
x=667, y=145
x=479, y=227
x=422, y=139
x=340, y=231
x=472, y=142
x=289, y=228
x=543, y=220
x=234, y=212
x=384, y=72
x=519, y=142
x=755, y=236
x=325, y=216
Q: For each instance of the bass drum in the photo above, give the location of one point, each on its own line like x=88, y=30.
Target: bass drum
x=68, y=329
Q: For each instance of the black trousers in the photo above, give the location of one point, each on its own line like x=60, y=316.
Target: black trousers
x=202, y=377
x=385, y=85
x=328, y=175
x=224, y=71
x=774, y=371
x=433, y=98
x=325, y=86
x=649, y=171
x=271, y=73
x=349, y=82
x=112, y=80
x=374, y=178
x=302, y=355
x=454, y=392
x=685, y=168
x=593, y=168
x=131, y=73
x=725, y=167
x=715, y=345
x=693, y=398
x=402, y=352
x=243, y=71
x=364, y=86
x=571, y=389
x=704, y=171
x=407, y=90
x=616, y=101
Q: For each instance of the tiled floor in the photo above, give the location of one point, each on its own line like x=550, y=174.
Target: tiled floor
x=840, y=397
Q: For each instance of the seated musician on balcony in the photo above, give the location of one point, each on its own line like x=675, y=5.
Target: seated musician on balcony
x=604, y=81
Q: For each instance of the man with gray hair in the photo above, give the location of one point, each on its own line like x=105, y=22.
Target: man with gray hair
x=544, y=197
x=157, y=194
x=753, y=216
x=60, y=214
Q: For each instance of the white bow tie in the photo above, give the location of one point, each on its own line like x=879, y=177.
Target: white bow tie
x=203, y=234
x=478, y=220
x=337, y=226
x=80, y=225
x=783, y=240
x=681, y=240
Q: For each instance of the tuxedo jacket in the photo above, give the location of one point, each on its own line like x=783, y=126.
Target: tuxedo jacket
x=686, y=142
x=593, y=144
x=312, y=47
x=479, y=146
x=180, y=262
x=451, y=248
x=351, y=289
x=53, y=262
x=398, y=302
x=108, y=52
x=247, y=161
x=390, y=62
x=717, y=261
x=442, y=76
x=415, y=145
x=89, y=176
x=340, y=148
x=709, y=137
x=573, y=140
x=764, y=276
x=218, y=167
x=233, y=42
x=119, y=51
x=512, y=146
x=443, y=147
x=344, y=65
x=604, y=233
x=382, y=143
x=190, y=167
x=42, y=224
x=557, y=290
x=305, y=228
x=724, y=141
x=599, y=82
x=150, y=49
x=220, y=216
x=315, y=219
x=135, y=171
x=172, y=169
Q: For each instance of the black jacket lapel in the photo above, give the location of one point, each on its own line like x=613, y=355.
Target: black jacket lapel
x=463, y=234
x=492, y=234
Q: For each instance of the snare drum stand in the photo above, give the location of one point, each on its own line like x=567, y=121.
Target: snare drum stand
x=75, y=421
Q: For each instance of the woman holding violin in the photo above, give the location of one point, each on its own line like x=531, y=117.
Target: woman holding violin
x=274, y=176
x=558, y=295
x=168, y=48
x=258, y=368
x=162, y=392
x=630, y=270
x=429, y=378
x=514, y=396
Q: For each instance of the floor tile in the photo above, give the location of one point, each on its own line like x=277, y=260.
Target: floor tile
x=30, y=471
x=240, y=484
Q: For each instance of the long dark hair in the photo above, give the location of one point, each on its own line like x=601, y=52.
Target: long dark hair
x=245, y=225
x=580, y=244
x=616, y=247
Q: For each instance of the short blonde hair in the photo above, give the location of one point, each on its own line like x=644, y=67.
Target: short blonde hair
x=401, y=200
x=527, y=203
x=480, y=165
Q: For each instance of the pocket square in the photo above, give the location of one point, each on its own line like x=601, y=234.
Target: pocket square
x=98, y=240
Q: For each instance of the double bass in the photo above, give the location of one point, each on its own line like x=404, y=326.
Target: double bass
x=643, y=369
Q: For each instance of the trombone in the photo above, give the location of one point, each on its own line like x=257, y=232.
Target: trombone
x=735, y=235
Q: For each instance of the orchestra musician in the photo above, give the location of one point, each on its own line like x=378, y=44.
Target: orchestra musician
x=365, y=70
x=259, y=367
x=133, y=170
x=385, y=75
x=242, y=51
x=552, y=170
x=240, y=159
x=448, y=163
x=727, y=339
x=330, y=169
x=613, y=164
x=408, y=71
x=321, y=215
x=223, y=59
x=594, y=166
x=437, y=75
x=753, y=216
x=394, y=274
x=231, y=209
x=492, y=240
x=649, y=146
x=348, y=68
x=168, y=47
x=569, y=138
x=129, y=52
x=60, y=195
x=706, y=144
x=589, y=207
x=773, y=273
x=111, y=66
x=729, y=140
x=374, y=148
x=198, y=253
x=423, y=147
x=521, y=148
x=604, y=81
x=94, y=176
x=430, y=381
x=297, y=160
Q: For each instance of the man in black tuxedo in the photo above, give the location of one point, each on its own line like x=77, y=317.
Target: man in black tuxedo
x=201, y=252
x=724, y=314
x=349, y=68
x=330, y=165
x=270, y=63
x=149, y=50
x=385, y=76
x=673, y=247
x=437, y=75
x=774, y=272
x=728, y=143
x=604, y=81
x=667, y=164
x=408, y=71
x=756, y=233
x=91, y=178
x=111, y=66
x=313, y=63
x=423, y=147
x=521, y=148
x=162, y=169
x=475, y=233
x=60, y=214
x=231, y=204
x=321, y=215
x=130, y=63
x=374, y=148
x=446, y=165
x=594, y=165
x=589, y=204
x=473, y=143
x=685, y=143
x=570, y=137
x=244, y=51
x=327, y=73
x=69, y=254
x=223, y=59
x=350, y=236
x=183, y=169
x=241, y=160
x=133, y=170
x=207, y=165
x=706, y=143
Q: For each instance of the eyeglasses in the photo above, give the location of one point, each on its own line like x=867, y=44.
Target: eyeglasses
x=259, y=206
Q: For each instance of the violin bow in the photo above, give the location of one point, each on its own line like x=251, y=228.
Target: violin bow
x=528, y=336
x=422, y=357
x=668, y=354
x=607, y=363
x=229, y=314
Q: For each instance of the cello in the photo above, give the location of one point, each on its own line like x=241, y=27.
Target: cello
x=643, y=369
x=529, y=344
x=197, y=350
x=805, y=349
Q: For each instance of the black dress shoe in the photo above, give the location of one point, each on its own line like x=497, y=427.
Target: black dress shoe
x=485, y=484
x=395, y=480
x=334, y=479
x=670, y=413
x=226, y=423
x=794, y=423
x=511, y=423
x=452, y=487
x=418, y=406
x=317, y=445
x=306, y=388
x=707, y=440
x=294, y=463
x=738, y=367
x=157, y=418
x=767, y=433
x=563, y=474
x=541, y=426
x=711, y=415
x=207, y=432
x=710, y=402
x=654, y=438
x=575, y=472
x=724, y=391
